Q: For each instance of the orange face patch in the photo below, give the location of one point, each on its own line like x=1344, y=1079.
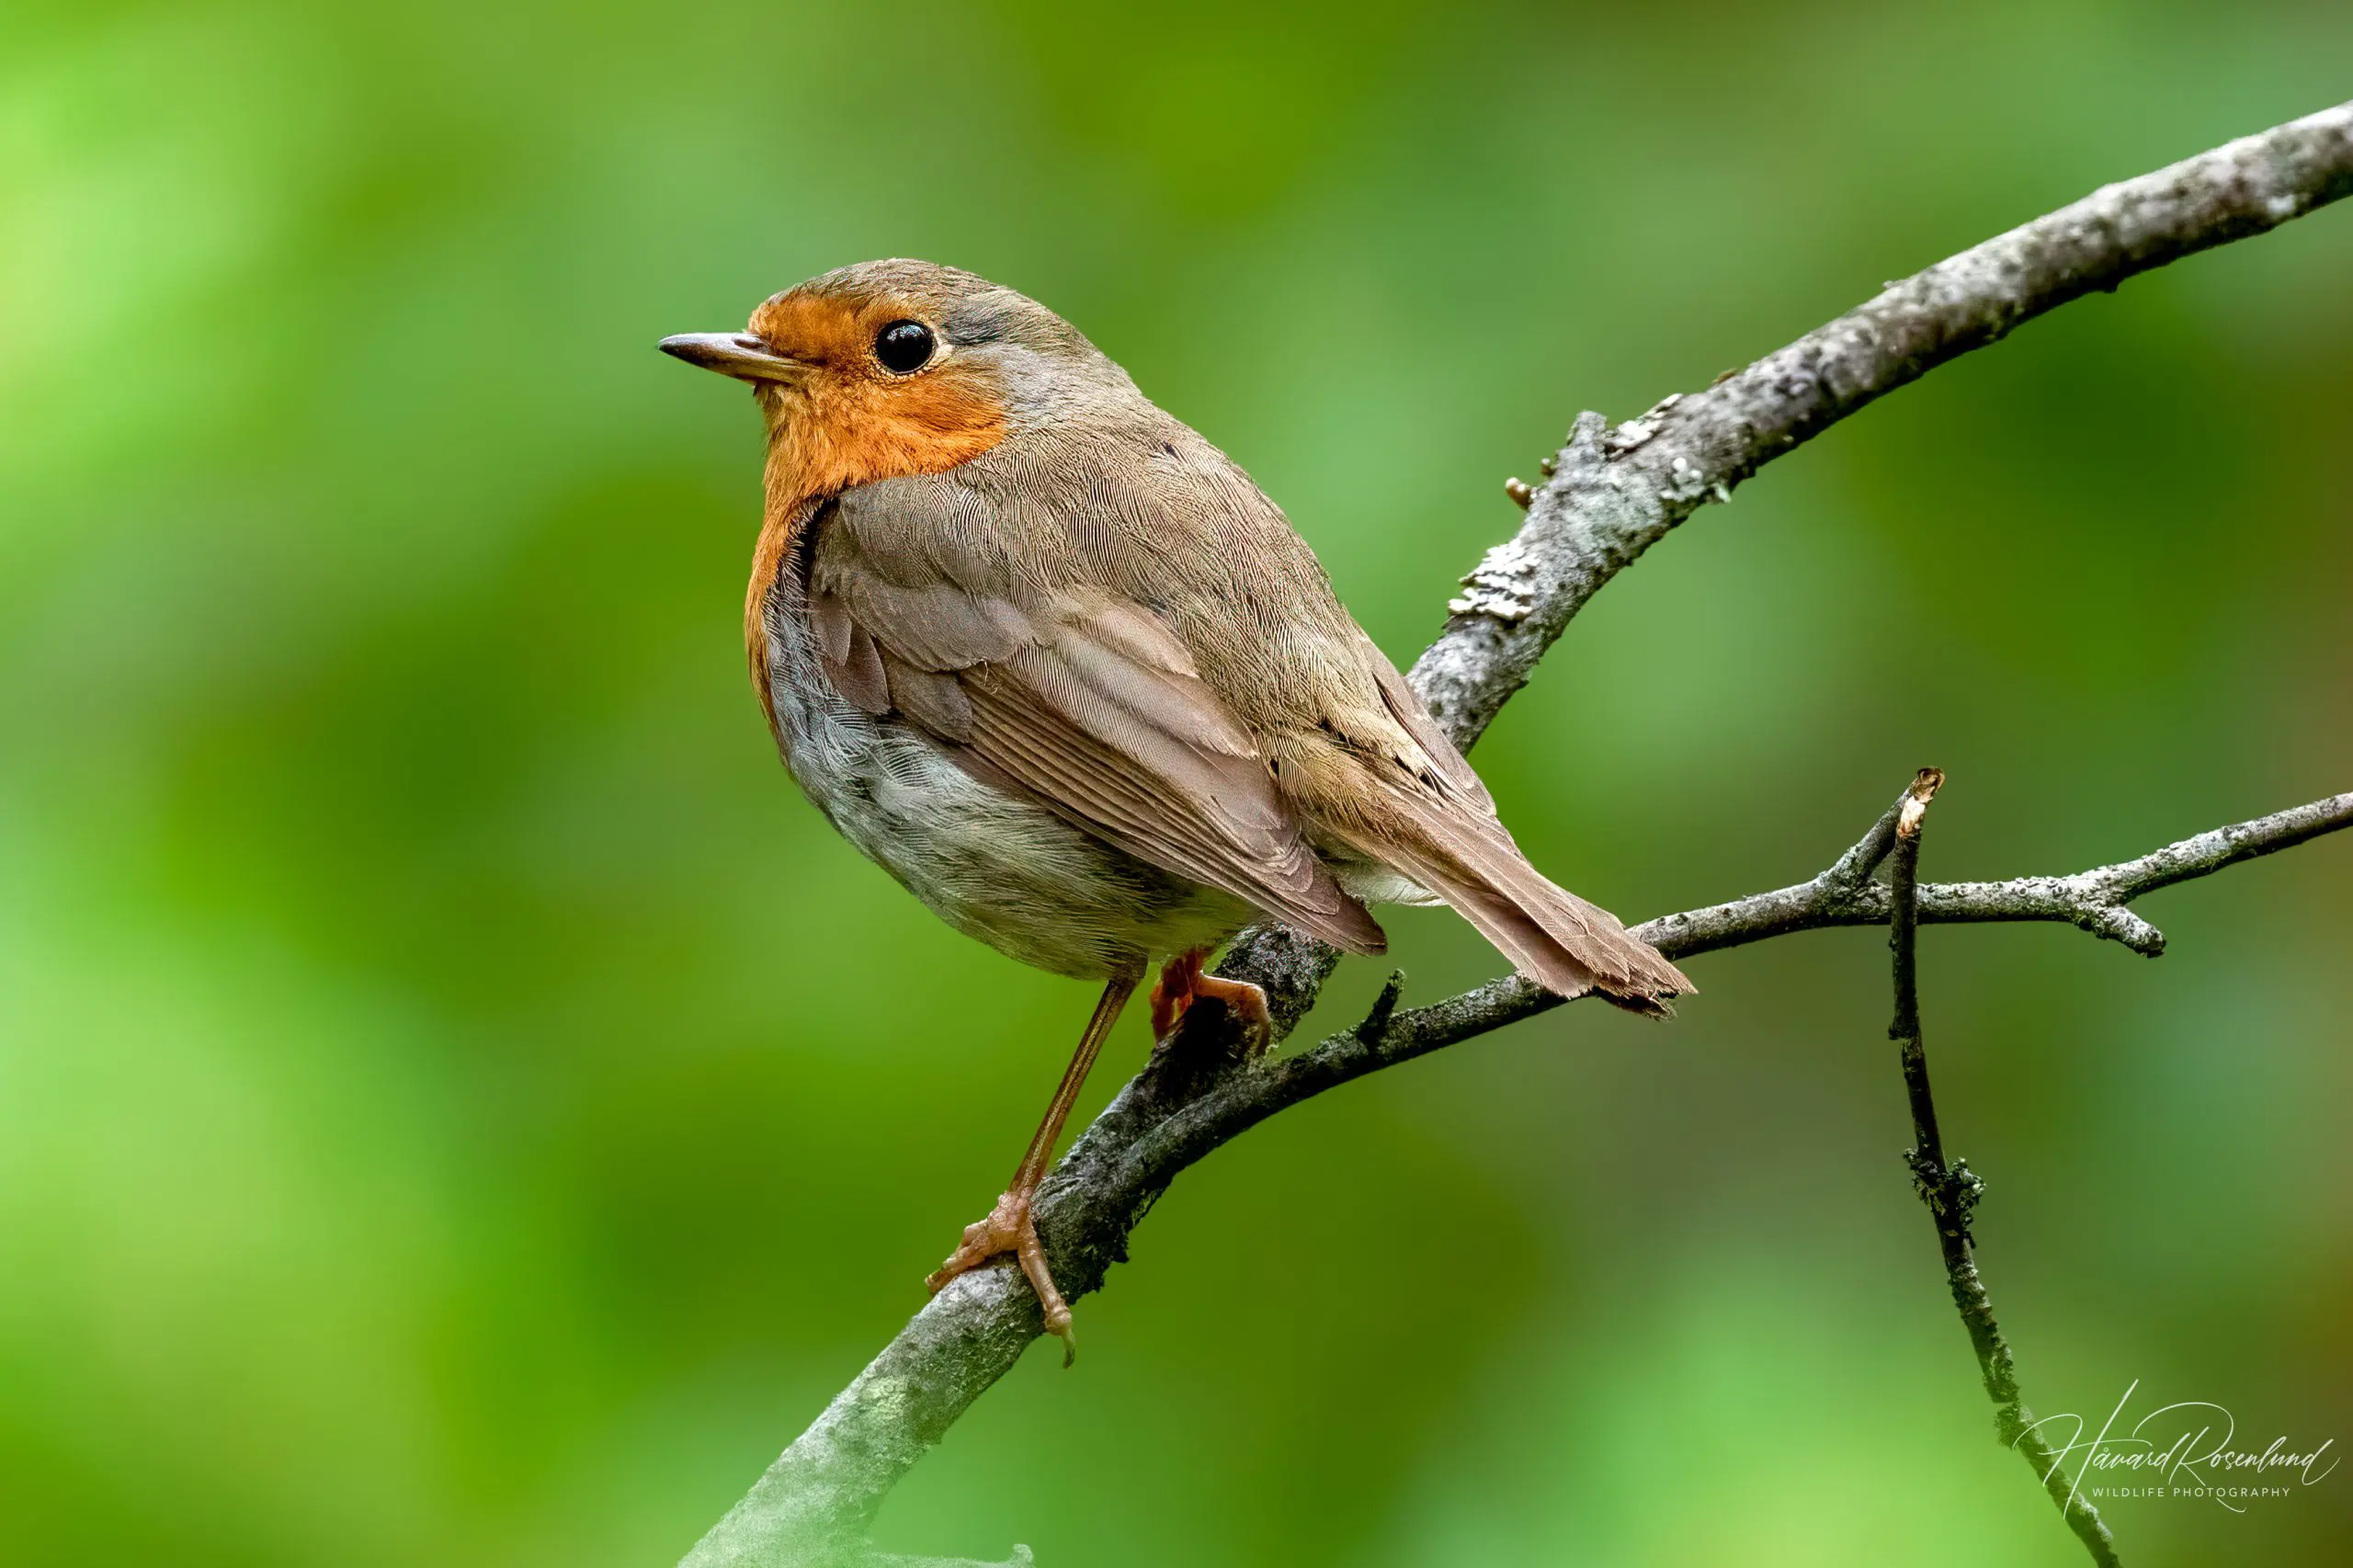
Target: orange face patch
x=847, y=421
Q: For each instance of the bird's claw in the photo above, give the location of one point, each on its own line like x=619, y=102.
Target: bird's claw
x=1011, y=1228
x=1182, y=983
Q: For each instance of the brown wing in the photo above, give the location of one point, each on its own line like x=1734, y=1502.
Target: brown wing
x=1405, y=797
x=1117, y=620
x=1087, y=701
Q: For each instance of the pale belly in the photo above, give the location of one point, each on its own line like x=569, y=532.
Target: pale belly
x=995, y=865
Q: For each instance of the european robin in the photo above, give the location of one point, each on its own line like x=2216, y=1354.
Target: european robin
x=1053, y=661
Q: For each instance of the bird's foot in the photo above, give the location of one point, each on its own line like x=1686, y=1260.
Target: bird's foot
x=1182, y=983
x=1010, y=1228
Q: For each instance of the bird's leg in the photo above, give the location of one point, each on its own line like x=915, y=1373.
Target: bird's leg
x=1010, y=1228
x=1171, y=994
x=1182, y=980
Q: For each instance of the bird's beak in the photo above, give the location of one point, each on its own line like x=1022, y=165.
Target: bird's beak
x=734, y=354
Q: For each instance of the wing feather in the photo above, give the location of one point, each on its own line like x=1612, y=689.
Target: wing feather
x=1145, y=646
x=860, y=675
x=1089, y=703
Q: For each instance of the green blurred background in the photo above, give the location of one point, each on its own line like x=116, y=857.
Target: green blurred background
x=459, y=1106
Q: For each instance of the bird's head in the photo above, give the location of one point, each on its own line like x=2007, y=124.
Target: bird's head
x=889, y=369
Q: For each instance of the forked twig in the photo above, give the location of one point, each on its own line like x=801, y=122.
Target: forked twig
x=1951, y=1189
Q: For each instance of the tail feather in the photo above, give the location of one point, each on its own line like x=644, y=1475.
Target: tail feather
x=1554, y=937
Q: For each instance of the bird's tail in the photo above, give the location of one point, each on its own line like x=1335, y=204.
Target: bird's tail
x=1569, y=947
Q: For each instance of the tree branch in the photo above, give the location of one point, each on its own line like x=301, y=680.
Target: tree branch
x=1842, y=895
x=825, y=1486
x=1615, y=493
x=1611, y=493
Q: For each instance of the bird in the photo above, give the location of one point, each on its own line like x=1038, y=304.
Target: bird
x=1052, y=660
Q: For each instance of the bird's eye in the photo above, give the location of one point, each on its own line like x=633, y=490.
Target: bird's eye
x=904, y=346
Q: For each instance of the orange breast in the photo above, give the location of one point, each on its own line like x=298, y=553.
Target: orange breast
x=846, y=428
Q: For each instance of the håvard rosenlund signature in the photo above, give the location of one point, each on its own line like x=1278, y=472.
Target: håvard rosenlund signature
x=2186, y=1450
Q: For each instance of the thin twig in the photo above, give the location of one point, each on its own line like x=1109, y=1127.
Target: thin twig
x=1950, y=1190
x=2091, y=901
x=1902, y=941
x=1610, y=493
